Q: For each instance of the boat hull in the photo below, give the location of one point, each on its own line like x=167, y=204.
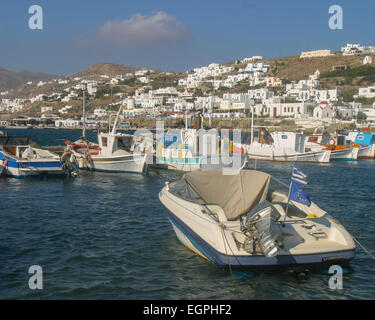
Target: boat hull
x=206, y=238
x=367, y=152
x=40, y=167
x=345, y=154
x=198, y=245
x=211, y=162
x=125, y=164
x=263, y=153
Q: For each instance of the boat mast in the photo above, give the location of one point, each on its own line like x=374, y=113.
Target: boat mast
x=252, y=125
x=115, y=124
x=84, y=86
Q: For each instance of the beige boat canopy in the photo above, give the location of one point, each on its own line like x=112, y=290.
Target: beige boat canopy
x=236, y=194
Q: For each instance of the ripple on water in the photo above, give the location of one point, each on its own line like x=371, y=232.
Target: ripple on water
x=107, y=236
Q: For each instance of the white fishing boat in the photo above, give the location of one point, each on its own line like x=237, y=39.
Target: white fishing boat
x=246, y=220
x=115, y=152
x=338, y=146
x=284, y=146
x=187, y=150
x=22, y=157
x=193, y=148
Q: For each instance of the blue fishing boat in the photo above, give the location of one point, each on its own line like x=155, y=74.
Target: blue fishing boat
x=365, y=142
x=22, y=157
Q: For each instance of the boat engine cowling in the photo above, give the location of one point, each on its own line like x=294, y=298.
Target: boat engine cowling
x=261, y=224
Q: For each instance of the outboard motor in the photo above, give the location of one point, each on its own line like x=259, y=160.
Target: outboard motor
x=262, y=229
x=69, y=163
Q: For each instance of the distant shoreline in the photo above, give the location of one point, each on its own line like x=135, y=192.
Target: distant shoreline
x=90, y=129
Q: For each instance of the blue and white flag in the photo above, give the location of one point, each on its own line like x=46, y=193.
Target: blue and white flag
x=296, y=192
x=298, y=176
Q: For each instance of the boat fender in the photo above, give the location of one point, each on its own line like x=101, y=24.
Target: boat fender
x=159, y=149
x=65, y=154
x=311, y=216
x=72, y=158
x=180, y=148
x=5, y=163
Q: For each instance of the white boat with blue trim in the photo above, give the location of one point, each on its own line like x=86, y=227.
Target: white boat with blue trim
x=22, y=157
x=244, y=220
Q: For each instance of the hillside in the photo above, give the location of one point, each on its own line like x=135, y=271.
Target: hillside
x=294, y=68
x=109, y=69
x=12, y=80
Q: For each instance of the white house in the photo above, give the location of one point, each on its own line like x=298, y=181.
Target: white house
x=323, y=111
x=352, y=49
x=368, y=92
x=316, y=53
x=367, y=60
x=370, y=113
x=273, y=82
x=99, y=112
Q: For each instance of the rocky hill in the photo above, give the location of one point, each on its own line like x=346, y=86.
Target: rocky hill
x=109, y=69
x=12, y=80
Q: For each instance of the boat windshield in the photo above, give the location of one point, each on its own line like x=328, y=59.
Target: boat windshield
x=125, y=143
x=182, y=190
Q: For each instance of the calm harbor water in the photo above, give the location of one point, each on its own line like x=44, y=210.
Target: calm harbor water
x=107, y=236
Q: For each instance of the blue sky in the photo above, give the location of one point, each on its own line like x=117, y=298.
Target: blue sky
x=172, y=34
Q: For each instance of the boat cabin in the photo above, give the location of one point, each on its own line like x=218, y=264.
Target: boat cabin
x=289, y=140
x=110, y=143
x=365, y=139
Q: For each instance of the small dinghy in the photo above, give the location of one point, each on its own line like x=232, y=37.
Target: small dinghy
x=243, y=220
x=21, y=157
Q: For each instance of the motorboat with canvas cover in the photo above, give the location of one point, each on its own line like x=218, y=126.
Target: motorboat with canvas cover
x=21, y=157
x=244, y=220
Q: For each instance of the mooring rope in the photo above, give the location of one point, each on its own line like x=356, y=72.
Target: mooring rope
x=364, y=248
x=230, y=267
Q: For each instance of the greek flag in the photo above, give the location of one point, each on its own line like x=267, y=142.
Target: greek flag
x=298, y=176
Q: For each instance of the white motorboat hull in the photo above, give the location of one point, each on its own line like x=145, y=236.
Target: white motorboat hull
x=191, y=233
x=195, y=243
x=206, y=230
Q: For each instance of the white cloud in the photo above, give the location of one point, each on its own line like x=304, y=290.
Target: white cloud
x=144, y=30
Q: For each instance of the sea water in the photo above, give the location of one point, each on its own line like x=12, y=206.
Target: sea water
x=107, y=236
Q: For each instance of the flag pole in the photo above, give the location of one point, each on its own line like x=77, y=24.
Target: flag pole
x=290, y=187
